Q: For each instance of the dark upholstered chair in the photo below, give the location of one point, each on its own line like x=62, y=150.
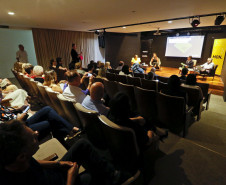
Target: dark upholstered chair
x=148, y=84
x=134, y=81
x=60, y=74
x=121, y=78
x=172, y=113
x=129, y=91
x=140, y=75
x=44, y=96
x=212, y=72
x=163, y=79
x=111, y=88
x=162, y=86
x=98, y=80
x=146, y=103
x=70, y=111
x=86, y=82
x=113, y=71
x=195, y=99
x=110, y=76
x=92, y=125
x=206, y=93
x=122, y=144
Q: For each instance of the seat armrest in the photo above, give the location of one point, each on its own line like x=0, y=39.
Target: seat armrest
x=5, y=102
x=189, y=109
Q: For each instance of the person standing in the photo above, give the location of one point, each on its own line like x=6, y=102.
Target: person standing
x=74, y=54
x=21, y=54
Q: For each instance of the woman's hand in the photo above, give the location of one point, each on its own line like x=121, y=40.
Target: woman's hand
x=72, y=173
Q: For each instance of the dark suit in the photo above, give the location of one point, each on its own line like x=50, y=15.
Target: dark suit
x=74, y=55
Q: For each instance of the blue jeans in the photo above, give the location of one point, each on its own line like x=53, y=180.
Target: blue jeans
x=47, y=120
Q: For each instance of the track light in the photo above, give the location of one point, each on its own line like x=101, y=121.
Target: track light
x=219, y=19
x=195, y=22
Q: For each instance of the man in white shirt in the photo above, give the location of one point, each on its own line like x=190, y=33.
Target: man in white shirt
x=21, y=55
x=207, y=66
x=73, y=92
x=94, y=101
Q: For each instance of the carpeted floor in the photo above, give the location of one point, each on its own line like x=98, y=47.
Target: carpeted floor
x=200, y=158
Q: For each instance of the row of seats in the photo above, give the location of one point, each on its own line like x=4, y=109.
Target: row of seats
x=120, y=141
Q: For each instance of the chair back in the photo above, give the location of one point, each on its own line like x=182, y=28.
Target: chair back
x=162, y=86
x=129, y=91
x=146, y=103
x=134, y=81
x=60, y=74
x=163, y=79
x=114, y=71
x=111, y=88
x=194, y=63
x=69, y=110
x=171, y=111
x=86, y=81
x=92, y=125
x=55, y=102
x=122, y=144
x=121, y=78
x=148, y=84
x=213, y=71
x=140, y=75
x=44, y=96
x=110, y=76
x=98, y=80
x=205, y=88
x=35, y=88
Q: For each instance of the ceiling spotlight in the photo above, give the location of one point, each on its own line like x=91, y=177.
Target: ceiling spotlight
x=11, y=13
x=195, y=22
x=219, y=19
x=97, y=32
x=170, y=22
x=124, y=27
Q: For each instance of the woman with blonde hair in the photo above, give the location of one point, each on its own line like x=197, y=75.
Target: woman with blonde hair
x=50, y=79
x=108, y=65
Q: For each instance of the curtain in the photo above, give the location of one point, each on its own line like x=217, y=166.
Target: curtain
x=50, y=44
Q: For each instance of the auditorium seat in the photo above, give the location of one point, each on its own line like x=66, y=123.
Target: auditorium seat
x=111, y=88
x=60, y=74
x=35, y=88
x=134, y=81
x=195, y=99
x=146, y=104
x=149, y=84
x=98, y=80
x=129, y=91
x=172, y=113
x=55, y=102
x=121, y=78
x=44, y=96
x=161, y=86
x=206, y=93
x=85, y=82
x=91, y=125
x=110, y=76
x=122, y=145
x=163, y=79
x=70, y=111
x=140, y=75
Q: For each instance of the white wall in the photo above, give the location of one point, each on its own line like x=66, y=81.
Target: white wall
x=9, y=41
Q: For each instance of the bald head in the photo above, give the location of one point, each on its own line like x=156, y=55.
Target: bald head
x=97, y=91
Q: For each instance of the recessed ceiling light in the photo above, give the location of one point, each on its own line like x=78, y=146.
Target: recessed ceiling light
x=170, y=22
x=11, y=13
x=124, y=27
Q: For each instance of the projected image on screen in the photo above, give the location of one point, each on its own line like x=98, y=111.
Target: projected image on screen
x=184, y=46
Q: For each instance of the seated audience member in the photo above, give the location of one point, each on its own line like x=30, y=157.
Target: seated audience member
x=38, y=72
x=119, y=113
x=136, y=68
x=184, y=72
x=73, y=92
x=191, y=83
x=98, y=64
x=155, y=61
x=90, y=68
x=94, y=101
x=53, y=64
x=50, y=79
x=108, y=65
x=120, y=65
x=18, y=143
x=152, y=75
x=29, y=70
x=78, y=67
x=7, y=86
x=174, y=88
x=125, y=71
x=60, y=64
x=44, y=121
x=206, y=68
x=102, y=72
